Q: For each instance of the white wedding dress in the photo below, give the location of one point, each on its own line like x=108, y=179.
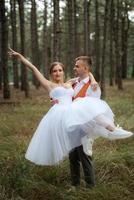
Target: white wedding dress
x=66, y=123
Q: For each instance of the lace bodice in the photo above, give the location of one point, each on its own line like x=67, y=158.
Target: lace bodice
x=62, y=94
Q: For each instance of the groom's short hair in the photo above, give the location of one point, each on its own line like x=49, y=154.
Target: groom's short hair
x=86, y=59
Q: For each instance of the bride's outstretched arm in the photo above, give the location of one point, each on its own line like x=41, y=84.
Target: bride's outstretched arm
x=44, y=82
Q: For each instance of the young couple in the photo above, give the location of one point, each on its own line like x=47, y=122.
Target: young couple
x=77, y=115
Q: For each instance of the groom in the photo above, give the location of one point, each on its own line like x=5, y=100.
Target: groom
x=83, y=153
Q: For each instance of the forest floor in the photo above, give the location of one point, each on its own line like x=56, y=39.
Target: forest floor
x=22, y=180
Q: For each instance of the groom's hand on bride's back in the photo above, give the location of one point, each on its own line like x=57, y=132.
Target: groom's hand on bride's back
x=54, y=101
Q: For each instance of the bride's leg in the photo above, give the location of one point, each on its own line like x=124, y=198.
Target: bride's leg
x=113, y=131
x=105, y=122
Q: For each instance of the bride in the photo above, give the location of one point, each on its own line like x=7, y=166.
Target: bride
x=67, y=122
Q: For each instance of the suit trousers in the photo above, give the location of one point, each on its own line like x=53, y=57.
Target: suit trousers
x=76, y=156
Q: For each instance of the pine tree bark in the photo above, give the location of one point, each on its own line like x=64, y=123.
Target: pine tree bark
x=4, y=47
x=24, y=75
x=104, y=48
x=0, y=50
x=86, y=27
x=72, y=32
x=97, y=42
x=125, y=29
x=111, y=53
x=34, y=41
x=74, y=22
x=14, y=42
x=45, y=42
x=132, y=74
x=133, y=68
x=118, y=77
x=56, y=31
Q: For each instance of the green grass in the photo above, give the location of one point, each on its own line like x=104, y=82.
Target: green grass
x=22, y=180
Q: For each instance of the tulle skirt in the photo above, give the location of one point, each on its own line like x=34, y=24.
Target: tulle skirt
x=62, y=128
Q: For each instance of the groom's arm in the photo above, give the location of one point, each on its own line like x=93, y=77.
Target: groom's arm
x=97, y=93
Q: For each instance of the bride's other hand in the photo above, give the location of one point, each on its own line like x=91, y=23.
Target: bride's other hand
x=94, y=86
x=54, y=101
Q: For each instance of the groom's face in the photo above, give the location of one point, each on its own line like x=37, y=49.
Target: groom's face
x=80, y=68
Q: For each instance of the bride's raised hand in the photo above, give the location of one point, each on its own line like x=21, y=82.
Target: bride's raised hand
x=44, y=82
x=94, y=84
x=13, y=54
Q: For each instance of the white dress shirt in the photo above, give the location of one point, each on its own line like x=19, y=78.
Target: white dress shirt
x=86, y=141
x=90, y=91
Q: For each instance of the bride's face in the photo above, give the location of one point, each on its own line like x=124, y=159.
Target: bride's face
x=57, y=73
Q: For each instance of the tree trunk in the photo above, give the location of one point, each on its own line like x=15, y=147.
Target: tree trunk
x=97, y=42
x=24, y=78
x=74, y=21
x=117, y=50
x=86, y=27
x=14, y=42
x=104, y=48
x=0, y=49
x=133, y=68
x=34, y=41
x=45, y=43
x=111, y=54
x=125, y=29
x=71, y=34
x=56, y=31
x=4, y=45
